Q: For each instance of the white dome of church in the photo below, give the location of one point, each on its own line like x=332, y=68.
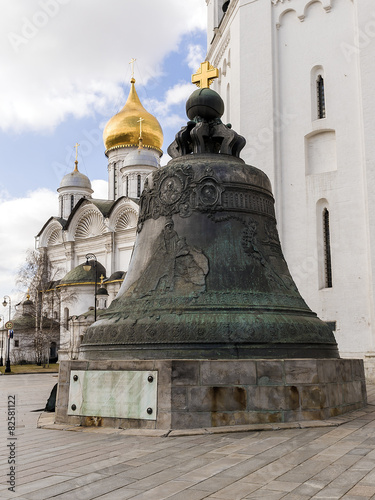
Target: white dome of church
x=142, y=157
x=75, y=180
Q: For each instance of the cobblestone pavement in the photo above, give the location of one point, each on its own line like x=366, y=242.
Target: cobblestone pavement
x=293, y=464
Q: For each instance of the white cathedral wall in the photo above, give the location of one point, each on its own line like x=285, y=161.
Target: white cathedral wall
x=116, y=159
x=77, y=299
x=58, y=260
x=124, y=250
x=316, y=41
x=274, y=105
x=363, y=48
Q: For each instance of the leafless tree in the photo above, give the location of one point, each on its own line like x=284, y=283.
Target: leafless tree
x=39, y=277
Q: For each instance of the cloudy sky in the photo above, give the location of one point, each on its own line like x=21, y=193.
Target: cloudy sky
x=64, y=72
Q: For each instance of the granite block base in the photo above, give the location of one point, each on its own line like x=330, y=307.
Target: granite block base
x=207, y=393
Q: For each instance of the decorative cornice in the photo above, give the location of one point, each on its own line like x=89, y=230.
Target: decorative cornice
x=302, y=12
x=122, y=146
x=222, y=49
x=326, y=4
x=220, y=30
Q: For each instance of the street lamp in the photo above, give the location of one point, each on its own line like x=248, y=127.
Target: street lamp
x=5, y=303
x=90, y=257
x=2, y=341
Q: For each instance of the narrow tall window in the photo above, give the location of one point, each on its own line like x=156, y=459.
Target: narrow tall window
x=321, y=100
x=127, y=185
x=115, y=181
x=66, y=318
x=61, y=207
x=138, y=186
x=327, y=250
x=71, y=202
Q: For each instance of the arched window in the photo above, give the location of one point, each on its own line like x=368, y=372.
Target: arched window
x=327, y=250
x=127, y=185
x=138, y=186
x=321, y=101
x=221, y=6
x=71, y=202
x=53, y=350
x=66, y=317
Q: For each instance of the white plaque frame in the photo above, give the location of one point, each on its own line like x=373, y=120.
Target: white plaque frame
x=116, y=394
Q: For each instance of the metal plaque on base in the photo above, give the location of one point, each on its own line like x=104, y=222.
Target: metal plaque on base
x=116, y=394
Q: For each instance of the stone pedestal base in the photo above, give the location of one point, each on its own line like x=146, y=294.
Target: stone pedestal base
x=369, y=363
x=205, y=393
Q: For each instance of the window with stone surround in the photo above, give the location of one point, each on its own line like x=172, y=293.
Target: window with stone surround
x=327, y=249
x=320, y=95
x=138, y=186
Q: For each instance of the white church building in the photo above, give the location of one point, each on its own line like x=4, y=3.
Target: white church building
x=297, y=78
x=106, y=228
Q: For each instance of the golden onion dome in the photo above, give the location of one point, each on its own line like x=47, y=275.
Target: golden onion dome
x=124, y=129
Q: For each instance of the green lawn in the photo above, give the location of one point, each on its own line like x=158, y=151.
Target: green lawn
x=52, y=368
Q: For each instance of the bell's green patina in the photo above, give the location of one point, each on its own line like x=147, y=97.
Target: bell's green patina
x=208, y=279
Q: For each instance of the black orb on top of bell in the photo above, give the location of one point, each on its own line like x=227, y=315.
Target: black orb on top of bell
x=208, y=279
x=206, y=104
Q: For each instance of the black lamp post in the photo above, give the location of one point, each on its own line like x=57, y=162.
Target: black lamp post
x=87, y=266
x=7, y=364
x=2, y=341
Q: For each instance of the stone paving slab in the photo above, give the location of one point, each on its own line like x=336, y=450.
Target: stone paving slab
x=327, y=460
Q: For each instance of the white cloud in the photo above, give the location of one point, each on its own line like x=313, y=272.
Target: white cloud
x=62, y=58
x=164, y=109
x=100, y=189
x=21, y=219
x=196, y=54
x=178, y=93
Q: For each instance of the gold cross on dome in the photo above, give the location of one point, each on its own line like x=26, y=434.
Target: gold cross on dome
x=140, y=125
x=132, y=61
x=205, y=75
x=76, y=146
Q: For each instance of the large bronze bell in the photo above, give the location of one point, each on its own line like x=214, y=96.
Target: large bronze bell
x=208, y=279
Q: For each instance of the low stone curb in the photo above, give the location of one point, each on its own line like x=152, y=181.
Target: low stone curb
x=46, y=421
